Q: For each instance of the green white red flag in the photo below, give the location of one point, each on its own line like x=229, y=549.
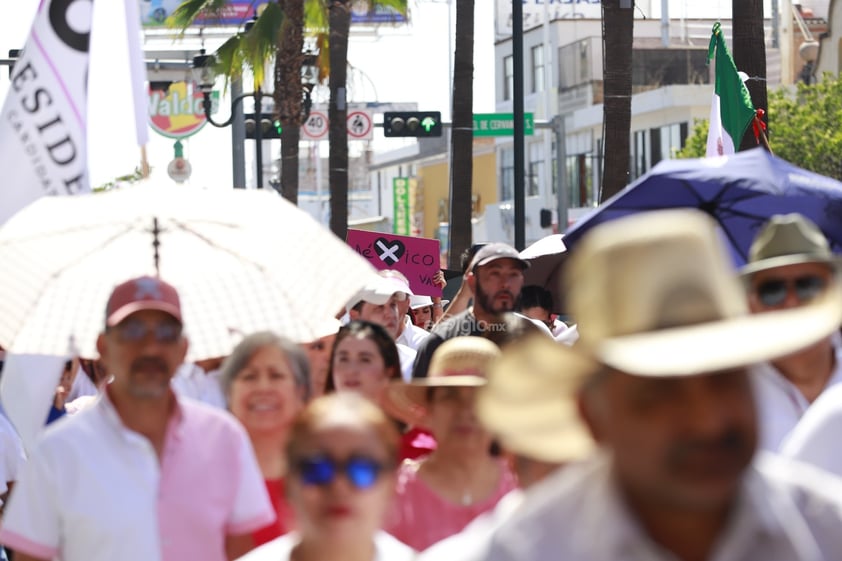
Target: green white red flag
x=731, y=111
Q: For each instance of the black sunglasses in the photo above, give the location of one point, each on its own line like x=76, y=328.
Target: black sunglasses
x=774, y=291
x=322, y=470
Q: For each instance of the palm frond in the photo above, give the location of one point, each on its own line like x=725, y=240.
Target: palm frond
x=259, y=44
x=315, y=17
x=187, y=12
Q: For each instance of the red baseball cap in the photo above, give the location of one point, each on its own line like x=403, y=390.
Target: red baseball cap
x=142, y=293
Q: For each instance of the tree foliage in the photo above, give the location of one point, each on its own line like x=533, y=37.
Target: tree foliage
x=805, y=127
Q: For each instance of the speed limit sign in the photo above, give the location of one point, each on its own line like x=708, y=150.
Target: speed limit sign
x=315, y=128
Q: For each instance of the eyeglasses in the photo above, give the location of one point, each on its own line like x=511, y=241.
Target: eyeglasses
x=320, y=470
x=136, y=331
x=774, y=291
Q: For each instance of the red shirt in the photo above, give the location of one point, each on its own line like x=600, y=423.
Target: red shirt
x=284, y=521
x=416, y=443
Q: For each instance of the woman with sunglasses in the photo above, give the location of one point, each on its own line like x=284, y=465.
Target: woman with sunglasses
x=438, y=495
x=341, y=482
x=266, y=382
x=364, y=360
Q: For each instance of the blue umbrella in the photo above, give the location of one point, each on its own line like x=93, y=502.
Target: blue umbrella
x=741, y=192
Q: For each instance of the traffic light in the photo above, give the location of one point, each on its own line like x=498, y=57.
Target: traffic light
x=412, y=123
x=271, y=128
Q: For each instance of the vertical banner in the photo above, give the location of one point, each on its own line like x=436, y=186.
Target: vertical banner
x=43, y=121
x=402, y=217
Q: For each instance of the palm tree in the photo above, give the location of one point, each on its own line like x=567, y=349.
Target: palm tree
x=617, y=38
x=277, y=34
x=461, y=133
x=750, y=54
x=339, y=29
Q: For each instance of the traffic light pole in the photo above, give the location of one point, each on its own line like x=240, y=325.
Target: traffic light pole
x=207, y=104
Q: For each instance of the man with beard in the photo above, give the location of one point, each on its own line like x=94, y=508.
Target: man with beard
x=668, y=398
x=142, y=474
x=495, y=277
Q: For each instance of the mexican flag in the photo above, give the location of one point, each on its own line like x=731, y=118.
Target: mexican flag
x=731, y=110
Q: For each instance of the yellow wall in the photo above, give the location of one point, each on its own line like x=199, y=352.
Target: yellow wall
x=435, y=179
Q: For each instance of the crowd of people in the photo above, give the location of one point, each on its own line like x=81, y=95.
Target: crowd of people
x=682, y=409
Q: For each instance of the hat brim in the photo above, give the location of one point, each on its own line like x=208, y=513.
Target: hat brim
x=123, y=312
x=723, y=345
x=784, y=260
x=530, y=400
x=407, y=402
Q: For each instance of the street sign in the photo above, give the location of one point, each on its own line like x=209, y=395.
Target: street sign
x=315, y=128
x=501, y=124
x=360, y=125
x=177, y=112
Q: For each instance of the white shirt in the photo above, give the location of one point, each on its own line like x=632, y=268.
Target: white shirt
x=407, y=358
x=12, y=456
x=816, y=439
x=386, y=547
x=472, y=543
x=193, y=382
x=93, y=490
x=785, y=512
x=412, y=336
x=780, y=404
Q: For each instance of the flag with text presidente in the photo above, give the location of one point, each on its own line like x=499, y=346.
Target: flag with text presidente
x=42, y=125
x=731, y=110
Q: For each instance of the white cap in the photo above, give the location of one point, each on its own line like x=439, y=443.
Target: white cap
x=379, y=292
x=416, y=302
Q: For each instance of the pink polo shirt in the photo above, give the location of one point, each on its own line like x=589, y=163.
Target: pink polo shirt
x=95, y=491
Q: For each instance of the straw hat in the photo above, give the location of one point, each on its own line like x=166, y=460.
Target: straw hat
x=788, y=239
x=458, y=362
x=654, y=294
x=529, y=402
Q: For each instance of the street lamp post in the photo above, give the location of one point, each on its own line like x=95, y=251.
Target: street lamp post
x=204, y=77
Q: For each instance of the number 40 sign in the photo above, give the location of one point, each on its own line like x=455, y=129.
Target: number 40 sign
x=360, y=125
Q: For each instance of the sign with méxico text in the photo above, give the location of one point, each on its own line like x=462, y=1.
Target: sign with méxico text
x=501, y=124
x=416, y=258
x=402, y=218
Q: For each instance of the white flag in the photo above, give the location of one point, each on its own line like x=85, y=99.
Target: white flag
x=42, y=125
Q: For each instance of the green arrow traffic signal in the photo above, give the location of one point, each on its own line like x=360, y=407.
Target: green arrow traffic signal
x=428, y=123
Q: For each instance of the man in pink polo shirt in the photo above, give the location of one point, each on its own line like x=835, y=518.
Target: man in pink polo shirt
x=141, y=475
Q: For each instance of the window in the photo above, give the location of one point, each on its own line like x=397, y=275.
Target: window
x=508, y=77
x=535, y=169
x=574, y=64
x=507, y=174
x=538, y=68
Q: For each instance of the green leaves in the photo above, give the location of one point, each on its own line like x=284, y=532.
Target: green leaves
x=805, y=127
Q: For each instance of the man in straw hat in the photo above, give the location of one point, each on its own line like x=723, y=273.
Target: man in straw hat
x=789, y=264
x=671, y=407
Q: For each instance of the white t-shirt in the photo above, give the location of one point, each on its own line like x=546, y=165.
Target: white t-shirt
x=780, y=404
x=816, y=438
x=12, y=456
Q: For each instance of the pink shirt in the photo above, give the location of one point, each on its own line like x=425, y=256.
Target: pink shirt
x=421, y=517
x=94, y=490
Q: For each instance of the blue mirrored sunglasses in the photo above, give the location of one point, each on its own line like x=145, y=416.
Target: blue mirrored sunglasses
x=361, y=471
x=774, y=291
